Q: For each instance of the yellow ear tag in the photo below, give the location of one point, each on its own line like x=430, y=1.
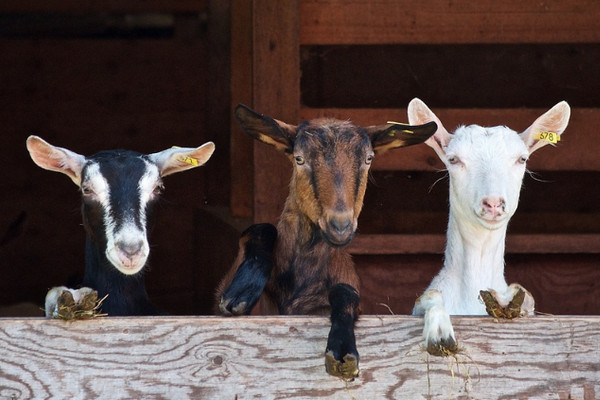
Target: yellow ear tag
x=392, y=133
x=187, y=159
x=550, y=137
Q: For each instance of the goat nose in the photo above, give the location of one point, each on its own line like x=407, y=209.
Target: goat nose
x=493, y=204
x=341, y=225
x=130, y=249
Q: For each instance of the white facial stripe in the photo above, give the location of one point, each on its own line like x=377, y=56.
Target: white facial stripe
x=129, y=236
x=95, y=180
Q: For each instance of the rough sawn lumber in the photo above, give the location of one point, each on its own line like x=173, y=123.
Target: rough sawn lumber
x=282, y=357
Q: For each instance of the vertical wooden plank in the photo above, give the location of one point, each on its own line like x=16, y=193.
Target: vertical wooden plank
x=276, y=83
x=241, y=146
x=217, y=101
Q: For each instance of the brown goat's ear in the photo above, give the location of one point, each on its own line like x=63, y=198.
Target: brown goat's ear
x=266, y=129
x=393, y=135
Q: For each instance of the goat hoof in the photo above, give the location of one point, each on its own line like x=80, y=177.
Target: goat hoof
x=516, y=302
x=442, y=348
x=346, y=369
x=69, y=304
x=226, y=308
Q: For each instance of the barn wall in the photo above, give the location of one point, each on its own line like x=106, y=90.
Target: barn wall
x=90, y=82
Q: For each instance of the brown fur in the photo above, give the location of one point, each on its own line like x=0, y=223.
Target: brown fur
x=331, y=160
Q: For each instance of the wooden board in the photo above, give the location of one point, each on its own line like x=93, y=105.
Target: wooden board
x=282, y=357
x=440, y=21
x=275, y=92
x=515, y=244
x=116, y=6
x=566, y=156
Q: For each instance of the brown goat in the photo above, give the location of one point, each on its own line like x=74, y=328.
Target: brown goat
x=302, y=267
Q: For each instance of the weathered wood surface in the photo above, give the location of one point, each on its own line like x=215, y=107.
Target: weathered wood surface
x=281, y=357
x=515, y=244
x=79, y=6
x=441, y=21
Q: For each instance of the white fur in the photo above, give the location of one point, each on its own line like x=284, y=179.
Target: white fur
x=486, y=166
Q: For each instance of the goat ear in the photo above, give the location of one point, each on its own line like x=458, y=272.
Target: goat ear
x=179, y=159
x=393, y=135
x=266, y=129
x=419, y=113
x=547, y=128
x=55, y=158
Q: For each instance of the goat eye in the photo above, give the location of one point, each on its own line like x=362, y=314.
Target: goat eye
x=87, y=191
x=453, y=160
x=158, y=189
x=523, y=159
x=299, y=160
x=369, y=159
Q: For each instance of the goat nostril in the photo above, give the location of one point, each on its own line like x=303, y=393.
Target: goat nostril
x=130, y=249
x=341, y=226
x=494, y=203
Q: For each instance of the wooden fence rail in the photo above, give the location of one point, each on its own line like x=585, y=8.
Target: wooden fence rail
x=281, y=357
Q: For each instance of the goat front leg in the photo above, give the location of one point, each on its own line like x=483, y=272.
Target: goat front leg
x=240, y=290
x=341, y=356
x=438, y=331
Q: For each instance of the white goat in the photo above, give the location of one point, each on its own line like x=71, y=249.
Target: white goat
x=486, y=166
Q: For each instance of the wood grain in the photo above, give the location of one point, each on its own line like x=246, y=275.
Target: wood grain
x=440, y=21
x=277, y=357
x=516, y=244
x=116, y=6
x=275, y=92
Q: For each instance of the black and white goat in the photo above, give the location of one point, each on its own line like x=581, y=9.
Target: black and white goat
x=486, y=166
x=118, y=188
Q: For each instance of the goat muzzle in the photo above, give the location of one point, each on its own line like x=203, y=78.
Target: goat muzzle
x=338, y=230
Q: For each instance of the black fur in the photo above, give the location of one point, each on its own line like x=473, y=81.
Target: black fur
x=344, y=300
x=252, y=275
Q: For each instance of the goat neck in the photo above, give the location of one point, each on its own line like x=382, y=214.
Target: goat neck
x=126, y=293
x=474, y=257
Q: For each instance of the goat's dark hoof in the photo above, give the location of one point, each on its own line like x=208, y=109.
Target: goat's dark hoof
x=70, y=304
x=444, y=347
x=346, y=369
x=494, y=306
x=227, y=307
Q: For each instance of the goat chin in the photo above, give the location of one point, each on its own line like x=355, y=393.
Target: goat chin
x=336, y=241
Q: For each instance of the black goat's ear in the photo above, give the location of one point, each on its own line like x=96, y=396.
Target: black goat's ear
x=54, y=158
x=179, y=159
x=395, y=134
x=266, y=129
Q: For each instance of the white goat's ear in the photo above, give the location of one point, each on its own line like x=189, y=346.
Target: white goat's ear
x=179, y=159
x=55, y=158
x=419, y=113
x=547, y=128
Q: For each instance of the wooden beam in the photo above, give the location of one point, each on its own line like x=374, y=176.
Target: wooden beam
x=567, y=156
x=326, y=22
x=276, y=92
x=282, y=357
x=241, y=145
x=99, y=6
x=564, y=243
